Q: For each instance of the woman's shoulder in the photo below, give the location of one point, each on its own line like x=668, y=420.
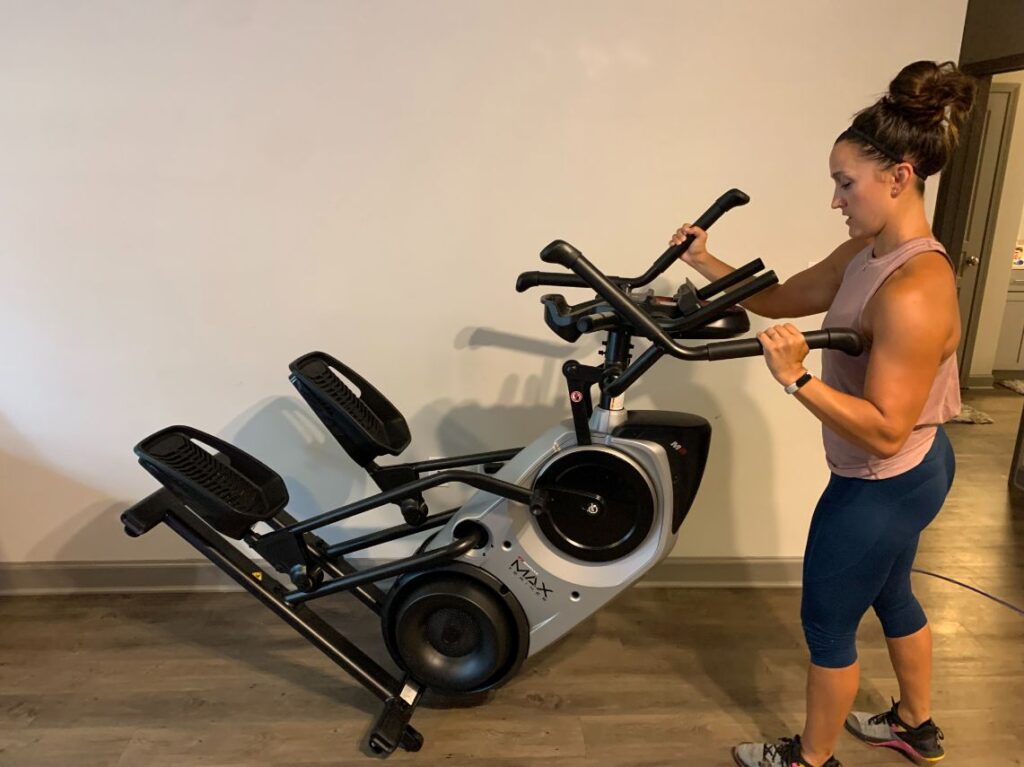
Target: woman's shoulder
x=923, y=285
x=924, y=270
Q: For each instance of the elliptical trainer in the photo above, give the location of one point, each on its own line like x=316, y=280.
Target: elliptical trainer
x=555, y=530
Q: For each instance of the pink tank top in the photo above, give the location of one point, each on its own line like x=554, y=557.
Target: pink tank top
x=864, y=275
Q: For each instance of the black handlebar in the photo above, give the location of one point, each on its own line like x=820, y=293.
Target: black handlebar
x=840, y=339
x=561, y=252
x=731, y=199
x=733, y=277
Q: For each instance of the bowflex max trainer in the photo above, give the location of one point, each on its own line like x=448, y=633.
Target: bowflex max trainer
x=555, y=530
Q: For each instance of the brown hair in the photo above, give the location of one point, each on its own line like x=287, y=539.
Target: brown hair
x=919, y=120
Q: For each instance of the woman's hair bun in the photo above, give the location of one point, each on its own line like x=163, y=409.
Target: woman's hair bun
x=930, y=94
x=920, y=118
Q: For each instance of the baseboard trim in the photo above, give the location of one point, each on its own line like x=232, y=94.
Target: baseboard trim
x=980, y=382
x=35, y=578
x=1007, y=375
x=32, y=578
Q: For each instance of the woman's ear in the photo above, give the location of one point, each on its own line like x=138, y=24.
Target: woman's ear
x=902, y=177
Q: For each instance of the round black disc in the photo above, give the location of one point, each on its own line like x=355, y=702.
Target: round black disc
x=575, y=526
x=452, y=633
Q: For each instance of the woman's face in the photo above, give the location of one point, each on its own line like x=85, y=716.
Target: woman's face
x=862, y=190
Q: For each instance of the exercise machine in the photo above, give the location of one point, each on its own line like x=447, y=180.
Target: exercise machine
x=554, y=530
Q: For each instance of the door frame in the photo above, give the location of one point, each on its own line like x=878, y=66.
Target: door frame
x=965, y=351
x=952, y=204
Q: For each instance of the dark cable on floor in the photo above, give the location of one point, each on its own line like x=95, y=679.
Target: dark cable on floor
x=971, y=588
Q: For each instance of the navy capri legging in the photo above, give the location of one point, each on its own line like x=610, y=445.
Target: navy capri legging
x=860, y=551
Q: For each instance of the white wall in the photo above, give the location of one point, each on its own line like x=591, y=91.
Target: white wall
x=1005, y=234
x=193, y=194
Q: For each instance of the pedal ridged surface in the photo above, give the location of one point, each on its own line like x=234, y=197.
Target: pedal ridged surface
x=346, y=399
x=201, y=467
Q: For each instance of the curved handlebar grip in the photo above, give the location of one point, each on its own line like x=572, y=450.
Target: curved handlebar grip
x=528, y=280
x=844, y=340
x=560, y=252
x=731, y=199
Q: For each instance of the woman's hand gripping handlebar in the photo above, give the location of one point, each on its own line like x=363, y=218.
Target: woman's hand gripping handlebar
x=561, y=252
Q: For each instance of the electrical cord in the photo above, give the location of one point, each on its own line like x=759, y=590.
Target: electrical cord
x=1003, y=602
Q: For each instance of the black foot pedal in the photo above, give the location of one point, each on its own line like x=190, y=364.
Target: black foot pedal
x=225, y=486
x=392, y=729
x=365, y=423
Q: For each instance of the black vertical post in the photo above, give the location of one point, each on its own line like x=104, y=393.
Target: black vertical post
x=616, y=359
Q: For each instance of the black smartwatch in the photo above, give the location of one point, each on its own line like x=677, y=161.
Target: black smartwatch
x=792, y=388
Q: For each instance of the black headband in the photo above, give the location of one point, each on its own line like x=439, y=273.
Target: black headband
x=885, y=151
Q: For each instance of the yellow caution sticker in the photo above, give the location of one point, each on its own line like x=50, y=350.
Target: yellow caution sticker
x=258, y=575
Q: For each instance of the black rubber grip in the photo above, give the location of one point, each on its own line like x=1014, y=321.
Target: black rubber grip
x=528, y=280
x=840, y=339
x=726, y=282
x=731, y=199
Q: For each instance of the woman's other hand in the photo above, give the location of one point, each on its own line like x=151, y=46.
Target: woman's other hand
x=698, y=248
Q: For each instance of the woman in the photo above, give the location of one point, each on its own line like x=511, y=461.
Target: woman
x=881, y=413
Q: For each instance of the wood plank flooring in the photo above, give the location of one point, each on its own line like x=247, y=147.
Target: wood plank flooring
x=661, y=677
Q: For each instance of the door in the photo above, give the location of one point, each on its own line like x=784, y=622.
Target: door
x=981, y=218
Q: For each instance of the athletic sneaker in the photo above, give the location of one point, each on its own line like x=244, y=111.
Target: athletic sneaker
x=785, y=753
x=919, y=744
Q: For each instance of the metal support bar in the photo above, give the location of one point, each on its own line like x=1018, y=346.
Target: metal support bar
x=495, y=456
x=616, y=361
x=423, y=561
x=471, y=478
x=390, y=534
x=641, y=365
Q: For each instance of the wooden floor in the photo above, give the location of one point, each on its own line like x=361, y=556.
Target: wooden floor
x=661, y=677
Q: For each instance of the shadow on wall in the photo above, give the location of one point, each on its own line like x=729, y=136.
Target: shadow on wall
x=49, y=516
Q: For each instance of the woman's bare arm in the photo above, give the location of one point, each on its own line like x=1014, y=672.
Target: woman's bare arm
x=804, y=294
x=914, y=322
